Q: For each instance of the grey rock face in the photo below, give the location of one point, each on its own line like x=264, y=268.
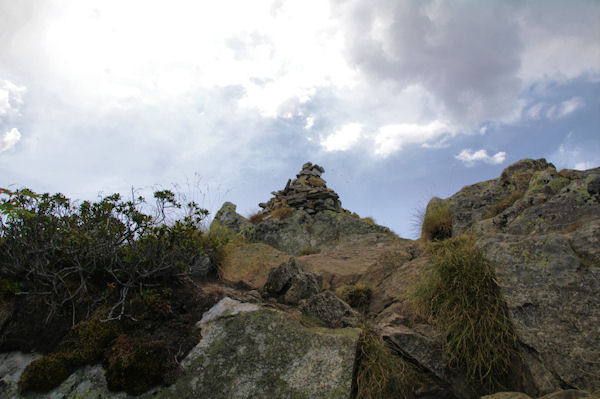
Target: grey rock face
x=227, y=217
x=330, y=309
x=289, y=283
x=265, y=354
x=553, y=300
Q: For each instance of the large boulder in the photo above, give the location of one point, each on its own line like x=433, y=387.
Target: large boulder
x=266, y=354
x=554, y=304
x=227, y=218
x=289, y=283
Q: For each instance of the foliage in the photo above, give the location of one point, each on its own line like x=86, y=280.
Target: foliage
x=63, y=252
x=381, y=373
x=437, y=221
x=461, y=296
x=357, y=296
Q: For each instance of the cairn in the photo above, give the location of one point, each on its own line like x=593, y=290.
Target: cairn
x=307, y=192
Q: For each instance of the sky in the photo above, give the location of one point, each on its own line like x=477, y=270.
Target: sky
x=399, y=101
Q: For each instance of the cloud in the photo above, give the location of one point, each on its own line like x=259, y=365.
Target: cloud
x=585, y=165
x=565, y=108
x=9, y=139
x=472, y=77
x=344, y=138
x=392, y=138
x=11, y=96
x=471, y=157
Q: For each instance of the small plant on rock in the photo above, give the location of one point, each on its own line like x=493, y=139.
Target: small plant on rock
x=357, y=296
x=462, y=298
x=282, y=213
x=437, y=221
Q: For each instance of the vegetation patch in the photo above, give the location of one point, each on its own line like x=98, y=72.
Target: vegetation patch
x=381, y=373
x=462, y=298
x=281, y=213
x=357, y=296
x=504, y=204
x=257, y=217
x=437, y=221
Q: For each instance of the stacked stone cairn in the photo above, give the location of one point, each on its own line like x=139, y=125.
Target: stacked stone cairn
x=307, y=192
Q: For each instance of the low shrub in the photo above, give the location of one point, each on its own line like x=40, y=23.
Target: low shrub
x=462, y=298
x=437, y=221
x=381, y=373
x=368, y=219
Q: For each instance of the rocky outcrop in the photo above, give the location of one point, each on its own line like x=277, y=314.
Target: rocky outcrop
x=330, y=310
x=541, y=230
x=307, y=192
x=289, y=283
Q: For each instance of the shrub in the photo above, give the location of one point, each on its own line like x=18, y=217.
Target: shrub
x=381, y=373
x=437, y=221
x=368, y=219
x=64, y=252
x=282, y=213
x=461, y=297
x=357, y=296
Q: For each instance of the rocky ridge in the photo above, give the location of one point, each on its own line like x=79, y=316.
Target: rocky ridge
x=275, y=330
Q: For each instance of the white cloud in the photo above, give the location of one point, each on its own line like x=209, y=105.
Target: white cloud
x=392, y=138
x=565, y=108
x=11, y=96
x=471, y=157
x=344, y=138
x=310, y=121
x=585, y=165
x=9, y=139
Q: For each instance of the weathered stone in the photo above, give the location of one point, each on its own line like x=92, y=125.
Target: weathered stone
x=569, y=394
x=329, y=309
x=265, y=354
x=202, y=266
x=289, y=283
x=507, y=395
x=12, y=365
x=227, y=218
x=249, y=264
x=553, y=301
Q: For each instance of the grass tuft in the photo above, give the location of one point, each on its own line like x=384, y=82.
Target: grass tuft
x=357, y=296
x=462, y=298
x=437, y=222
x=381, y=373
x=282, y=213
x=256, y=217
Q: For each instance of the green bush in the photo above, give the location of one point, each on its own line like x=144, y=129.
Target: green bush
x=461, y=297
x=437, y=221
x=63, y=252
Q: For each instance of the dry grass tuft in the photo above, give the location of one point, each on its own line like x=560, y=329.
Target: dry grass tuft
x=437, y=222
x=462, y=298
x=506, y=203
x=282, y=213
x=381, y=373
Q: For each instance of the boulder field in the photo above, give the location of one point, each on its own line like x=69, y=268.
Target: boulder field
x=302, y=283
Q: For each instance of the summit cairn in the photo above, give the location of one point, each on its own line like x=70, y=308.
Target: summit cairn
x=307, y=192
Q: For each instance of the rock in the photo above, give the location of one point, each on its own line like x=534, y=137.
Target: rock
x=568, y=394
x=289, y=283
x=266, y=354
x=507, y=395
x=226, y=307
x=226, y=217
x=331, y=310
x=552, y=298
x=302, y=231
x=202, y=267
x=12, y=365
x=249, y=264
